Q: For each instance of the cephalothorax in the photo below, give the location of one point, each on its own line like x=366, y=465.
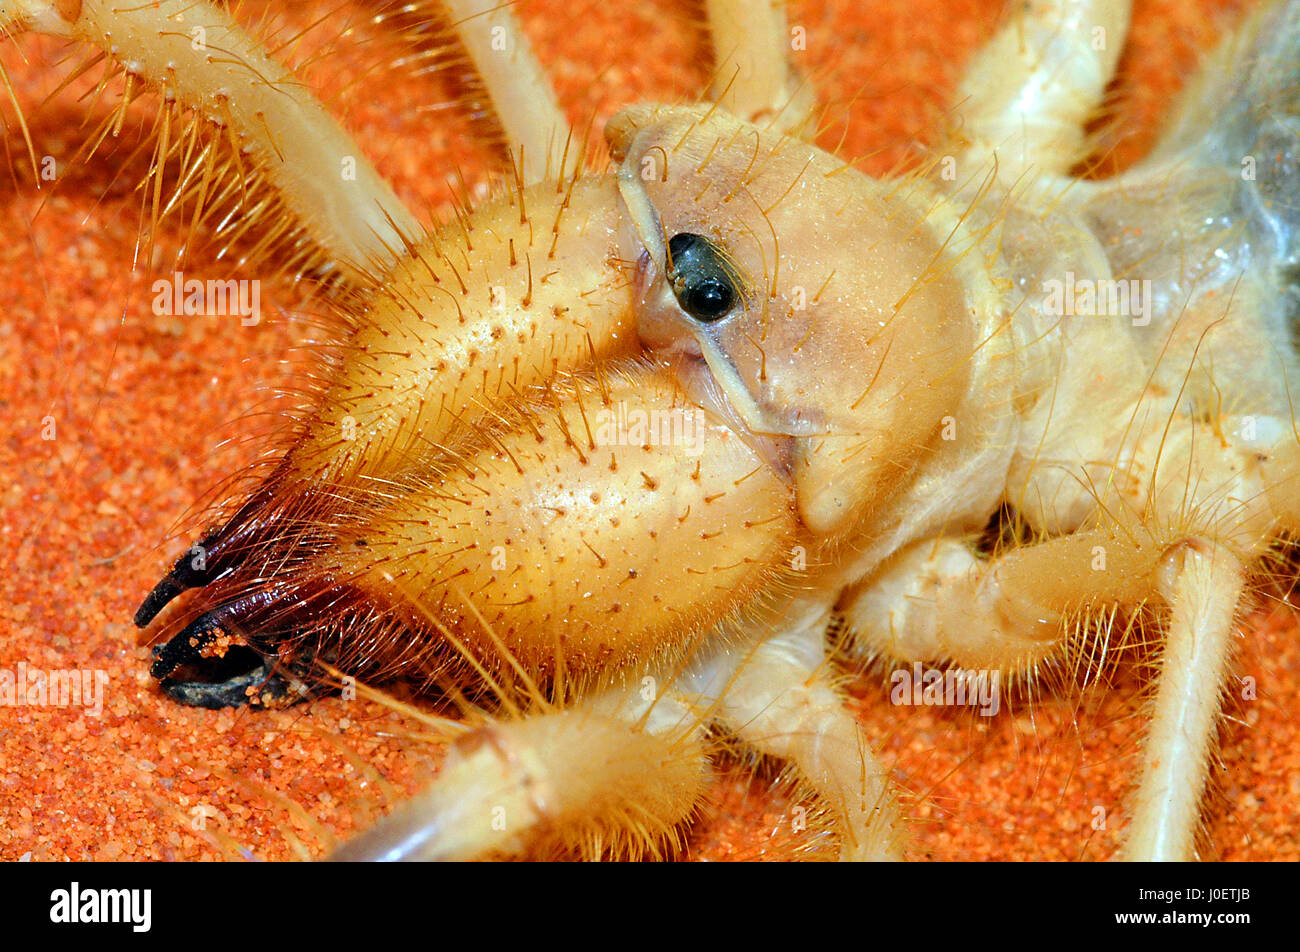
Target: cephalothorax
x=639, y=440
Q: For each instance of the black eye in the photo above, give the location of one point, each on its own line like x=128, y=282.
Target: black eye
x=702, y=281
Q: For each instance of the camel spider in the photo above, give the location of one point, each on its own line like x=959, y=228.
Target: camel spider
x=956, y=267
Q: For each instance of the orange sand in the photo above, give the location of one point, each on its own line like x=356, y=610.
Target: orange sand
x=141, y=405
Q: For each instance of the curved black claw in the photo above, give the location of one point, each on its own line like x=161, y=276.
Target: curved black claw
x=215, y=555
x=182, y=577
x=227, y=669
x=202, y=640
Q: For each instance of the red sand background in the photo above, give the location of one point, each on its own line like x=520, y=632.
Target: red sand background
x=141, y=404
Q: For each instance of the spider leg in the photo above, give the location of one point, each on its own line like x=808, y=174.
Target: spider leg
x=613, y=773
x=535, y=127
x=1182, y=538
x=1246, y=492
x=1027, y=94
x=1202, y=583
x=197, y=55
x=915, y=611
x=782, y=701
x=753, y=75
x=939, y=599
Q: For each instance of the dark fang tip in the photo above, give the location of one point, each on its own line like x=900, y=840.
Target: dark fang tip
x=157, y=600
x=188, y=572
x=213, y=557
x=189, y=646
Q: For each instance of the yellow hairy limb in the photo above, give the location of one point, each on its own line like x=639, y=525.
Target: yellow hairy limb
x=197, y=56
x=549, y=785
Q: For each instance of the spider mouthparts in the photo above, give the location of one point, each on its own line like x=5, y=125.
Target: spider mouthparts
x=241, y=653
x=212, y=557
x=192, y=570
x=203, y=640
x=224, y=668
x=167, y=588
